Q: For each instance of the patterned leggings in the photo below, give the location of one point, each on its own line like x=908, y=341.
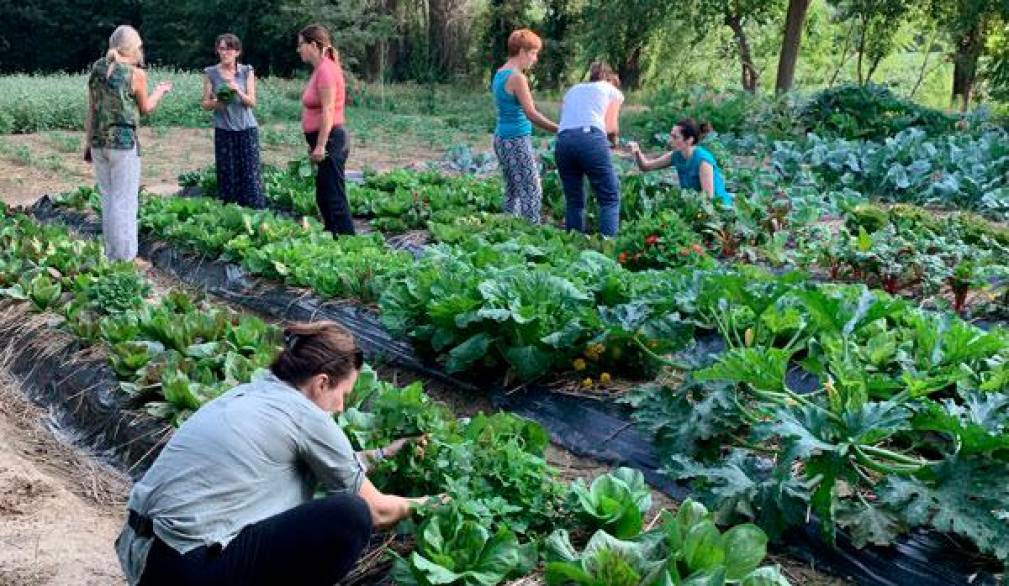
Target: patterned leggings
x=523, y=194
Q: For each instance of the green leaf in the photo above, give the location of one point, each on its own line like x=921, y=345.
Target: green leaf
x=702, y=547
x=763, y=368
x=462, y=356
x=869, y=524
x=745, y=547
x=528, y=362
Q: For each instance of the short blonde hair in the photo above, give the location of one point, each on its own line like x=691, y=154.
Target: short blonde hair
x=523, y=40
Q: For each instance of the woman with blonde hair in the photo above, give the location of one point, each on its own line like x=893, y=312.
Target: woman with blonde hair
x=229, y=89
x=322, y=120
x=516, y=114
x=117, y=97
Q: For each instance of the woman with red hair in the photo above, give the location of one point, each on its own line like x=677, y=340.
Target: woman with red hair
x=516, y=114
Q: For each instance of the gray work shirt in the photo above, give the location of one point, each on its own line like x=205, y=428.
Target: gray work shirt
x=235, y=115
x=256, y=451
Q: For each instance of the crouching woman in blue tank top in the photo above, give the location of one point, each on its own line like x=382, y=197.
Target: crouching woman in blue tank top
x=695, y=166
x=516, y=114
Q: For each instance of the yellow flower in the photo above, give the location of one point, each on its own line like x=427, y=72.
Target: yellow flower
x=587, y=383
x=579, y=364
x=604, y=378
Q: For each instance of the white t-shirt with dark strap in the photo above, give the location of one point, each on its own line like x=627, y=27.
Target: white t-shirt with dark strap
x=585, y=105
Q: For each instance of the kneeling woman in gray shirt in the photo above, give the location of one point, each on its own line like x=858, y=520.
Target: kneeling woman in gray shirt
x=230, y=499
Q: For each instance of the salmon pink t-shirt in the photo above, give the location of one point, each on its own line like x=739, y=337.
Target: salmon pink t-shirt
x=326, y=74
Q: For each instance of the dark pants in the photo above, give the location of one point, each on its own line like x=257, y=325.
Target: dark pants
x=582, y=154
x=236, y=157
x=315, y=543
x=330, y=182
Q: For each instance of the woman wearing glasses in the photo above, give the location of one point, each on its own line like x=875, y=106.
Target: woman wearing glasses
x=231, y=497
x=229, y=89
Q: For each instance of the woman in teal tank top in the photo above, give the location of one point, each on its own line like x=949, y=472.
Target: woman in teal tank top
x=695, y=166
x=516, y=114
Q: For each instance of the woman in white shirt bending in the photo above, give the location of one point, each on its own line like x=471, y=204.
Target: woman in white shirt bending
x=588, y=129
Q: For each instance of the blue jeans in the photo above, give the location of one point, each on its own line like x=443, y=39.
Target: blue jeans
x=581, y=154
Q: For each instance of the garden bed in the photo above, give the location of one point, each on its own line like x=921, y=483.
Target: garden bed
x=585, y=427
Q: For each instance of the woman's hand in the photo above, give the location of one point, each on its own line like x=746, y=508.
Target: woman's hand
x=162, y=88
x=318, y=154
x=397, y=445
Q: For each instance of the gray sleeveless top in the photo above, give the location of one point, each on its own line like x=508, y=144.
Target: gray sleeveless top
x=234, y=116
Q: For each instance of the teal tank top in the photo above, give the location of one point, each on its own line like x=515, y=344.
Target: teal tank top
x=511, y=119
x=689, y=173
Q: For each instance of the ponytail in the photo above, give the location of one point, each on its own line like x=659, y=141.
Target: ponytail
x=689, y=128
x=123, y=42
x=322, y=347
x=113, y=57
x=320, y=37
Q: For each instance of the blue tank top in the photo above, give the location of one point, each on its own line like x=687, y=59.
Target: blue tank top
x=511, y=119
x=689, y=172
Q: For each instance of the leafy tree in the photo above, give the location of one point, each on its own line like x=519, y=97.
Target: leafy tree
x=739, y=16
x=505, y=16
x=968, y=24
x=620, y=32
x=560, y=18
x=875, y=24
x=997, y=71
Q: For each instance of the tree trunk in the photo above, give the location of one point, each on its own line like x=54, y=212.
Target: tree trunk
x=924, y=64
x=844, y=56
x=789, y=56
x=750, y=76
x=873, y=64
x=630, y=70
x=863, y=30
x=968, y=50
x=555, y=29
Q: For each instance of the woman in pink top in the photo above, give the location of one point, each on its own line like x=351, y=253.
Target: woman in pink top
x=322, y=121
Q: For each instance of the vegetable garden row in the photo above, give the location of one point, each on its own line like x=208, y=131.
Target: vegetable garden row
x=877, y=411
x=173, y=354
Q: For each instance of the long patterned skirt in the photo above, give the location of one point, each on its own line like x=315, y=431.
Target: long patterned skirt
x=238, y=176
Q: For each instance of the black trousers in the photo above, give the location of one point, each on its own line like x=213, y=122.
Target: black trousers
x=330, y=182
x=315, y=543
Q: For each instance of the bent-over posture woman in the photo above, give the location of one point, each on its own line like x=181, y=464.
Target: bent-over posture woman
x=231, y=497
x=588, y=129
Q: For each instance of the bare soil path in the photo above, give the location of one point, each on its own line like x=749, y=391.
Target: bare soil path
x=50, y=162
x=60, y=509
